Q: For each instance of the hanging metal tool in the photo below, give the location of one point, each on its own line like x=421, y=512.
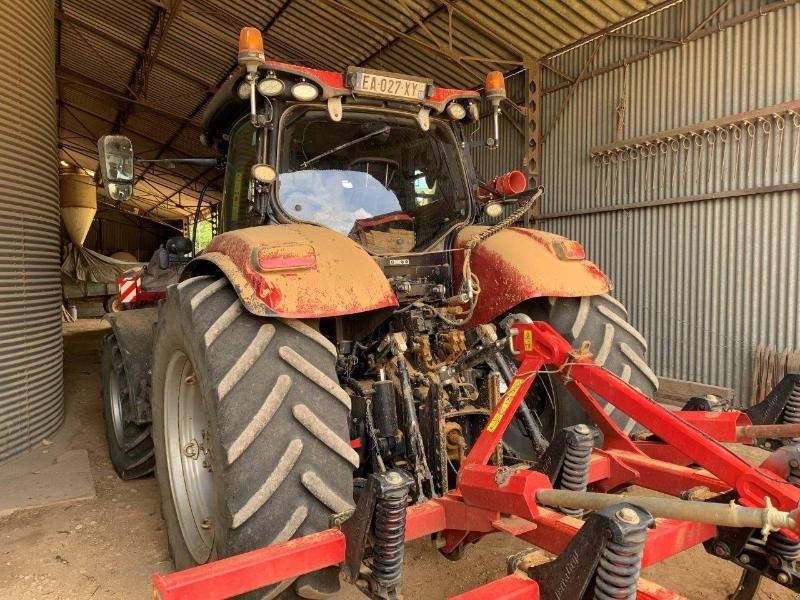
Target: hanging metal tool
x=751, y=135
x=766, y=127
x=722, y=135
x=711, y=139
x=737, y=141
x=796, y=131
x=780, y=125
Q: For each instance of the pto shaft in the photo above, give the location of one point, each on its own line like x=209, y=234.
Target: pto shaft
x=729, y=515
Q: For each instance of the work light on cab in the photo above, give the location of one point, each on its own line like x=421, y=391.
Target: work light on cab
x=270, y=86
x=456, y=111
x=304, y=91
x=243, y=91
x=263, y=173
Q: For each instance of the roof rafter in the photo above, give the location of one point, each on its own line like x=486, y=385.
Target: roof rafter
x=63, y=17
x=137, y=84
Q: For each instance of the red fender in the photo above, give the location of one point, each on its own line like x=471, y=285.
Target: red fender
x=297, y=271
x=518, y=264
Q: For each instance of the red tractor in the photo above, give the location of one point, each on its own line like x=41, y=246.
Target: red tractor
x=352, y=318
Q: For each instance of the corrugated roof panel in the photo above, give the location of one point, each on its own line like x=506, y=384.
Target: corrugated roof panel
x=96, y=105
x=155, y=126
x=165, y=91
x=129, y=21
x=210, y=57
x=96, y=57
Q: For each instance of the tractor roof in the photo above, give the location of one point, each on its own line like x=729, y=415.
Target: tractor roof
x=226, y=107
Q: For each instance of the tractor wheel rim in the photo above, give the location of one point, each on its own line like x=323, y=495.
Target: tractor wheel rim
x=117, y=414
x=188, y=449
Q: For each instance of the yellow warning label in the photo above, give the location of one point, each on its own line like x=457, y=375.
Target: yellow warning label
x=527, y=340
x=508, y=398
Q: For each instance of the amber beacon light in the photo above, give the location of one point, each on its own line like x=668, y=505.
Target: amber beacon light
x=494, y=88
x=251, y=48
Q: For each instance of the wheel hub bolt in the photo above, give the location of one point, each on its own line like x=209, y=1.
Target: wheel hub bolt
x=744, y=559
x=628, y=515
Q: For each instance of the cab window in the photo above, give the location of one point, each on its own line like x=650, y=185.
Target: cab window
x=238, y=194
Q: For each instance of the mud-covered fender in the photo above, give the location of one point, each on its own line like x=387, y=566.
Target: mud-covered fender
x=519, y=264
x=297, y=271
x=135, y=331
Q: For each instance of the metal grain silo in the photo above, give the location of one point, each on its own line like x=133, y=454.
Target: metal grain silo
x=31, y=391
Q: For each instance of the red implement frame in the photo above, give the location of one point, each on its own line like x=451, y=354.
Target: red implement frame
x=486, y=495
x=131, y=294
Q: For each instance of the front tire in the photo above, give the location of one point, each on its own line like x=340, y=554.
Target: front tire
x=250, y=430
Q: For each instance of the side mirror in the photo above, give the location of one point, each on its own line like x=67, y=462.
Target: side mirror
x=116, y=165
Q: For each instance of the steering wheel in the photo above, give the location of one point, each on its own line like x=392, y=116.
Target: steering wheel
x=382, y=169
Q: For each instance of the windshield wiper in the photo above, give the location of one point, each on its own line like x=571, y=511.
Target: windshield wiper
x=311, y=161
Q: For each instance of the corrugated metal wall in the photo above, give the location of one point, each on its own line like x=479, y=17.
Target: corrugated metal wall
x=492, y=162
x=31, y=400
x=705, y=281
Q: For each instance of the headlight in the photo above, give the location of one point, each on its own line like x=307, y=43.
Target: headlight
x=270, y=86
x=263, y=173
x=304, y=91
x=456, y=111
x=243, y=91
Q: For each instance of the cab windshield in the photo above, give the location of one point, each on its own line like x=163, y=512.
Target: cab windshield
x=376, y=177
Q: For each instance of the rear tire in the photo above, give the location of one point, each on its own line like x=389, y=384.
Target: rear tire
x=616, y=345
x=274, y=443
x=130, y=446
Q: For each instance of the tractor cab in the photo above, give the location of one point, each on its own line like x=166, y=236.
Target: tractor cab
x=376, y=156
x=374, y=175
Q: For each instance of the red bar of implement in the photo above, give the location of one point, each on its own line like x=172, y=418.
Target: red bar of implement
x=722, y=426
x=252, y=570
x=510, y=587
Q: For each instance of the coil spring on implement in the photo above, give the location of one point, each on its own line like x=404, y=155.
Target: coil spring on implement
x=575, y=471
x=780, y=545
x=620, y=564
x=791, y=412
x=390, y=531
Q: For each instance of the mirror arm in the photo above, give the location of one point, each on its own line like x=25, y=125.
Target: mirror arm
x=198, y=161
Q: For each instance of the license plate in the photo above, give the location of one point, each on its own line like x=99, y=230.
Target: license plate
x=371, y=83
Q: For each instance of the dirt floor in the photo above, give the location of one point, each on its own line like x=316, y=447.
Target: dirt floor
x=109, y=546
